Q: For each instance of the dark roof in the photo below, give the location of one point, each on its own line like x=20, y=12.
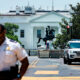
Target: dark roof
x=61, y=11
x=11, y=11
x=14, y=14
x=36, y=11
x=43, y=11
x=28, y=14
x=15, y=11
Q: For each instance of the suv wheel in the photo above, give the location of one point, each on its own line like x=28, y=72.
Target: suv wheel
x=65, y=61
x=69, y=62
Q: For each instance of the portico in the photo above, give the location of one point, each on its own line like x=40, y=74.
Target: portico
x=34, y=26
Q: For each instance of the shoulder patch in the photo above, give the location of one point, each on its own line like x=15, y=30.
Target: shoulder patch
x=11, y=40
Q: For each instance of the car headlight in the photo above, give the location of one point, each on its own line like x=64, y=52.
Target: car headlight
x=71, y=51
x=72, y=56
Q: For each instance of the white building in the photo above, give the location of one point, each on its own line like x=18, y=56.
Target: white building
x=32, y=23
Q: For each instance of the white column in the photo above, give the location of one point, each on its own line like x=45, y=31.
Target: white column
x=29, y=37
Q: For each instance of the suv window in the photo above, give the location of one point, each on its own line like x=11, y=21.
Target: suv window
x=74, y=45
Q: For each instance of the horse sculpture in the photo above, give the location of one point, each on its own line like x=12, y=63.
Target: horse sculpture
x=49, y=35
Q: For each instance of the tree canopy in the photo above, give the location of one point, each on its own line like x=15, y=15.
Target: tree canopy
x=69, y=33
x=11, y=29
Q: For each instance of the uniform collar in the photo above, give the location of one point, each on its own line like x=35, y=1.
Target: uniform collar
x=5, y=41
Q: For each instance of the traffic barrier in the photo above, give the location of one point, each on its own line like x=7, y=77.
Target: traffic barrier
x=56, y=53
x=32, y=52
x=51, y=53
x=46, y=53
x=43, y=53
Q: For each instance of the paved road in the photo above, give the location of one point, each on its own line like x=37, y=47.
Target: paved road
x=51, y=69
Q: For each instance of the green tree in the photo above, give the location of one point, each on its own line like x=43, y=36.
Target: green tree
x=76, y=21
x=62, y=39
x=11, y=29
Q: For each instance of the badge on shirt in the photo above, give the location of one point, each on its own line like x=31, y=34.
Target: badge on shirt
x=8, y=48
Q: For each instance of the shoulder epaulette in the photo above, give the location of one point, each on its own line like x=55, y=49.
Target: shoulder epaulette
x=12, y=40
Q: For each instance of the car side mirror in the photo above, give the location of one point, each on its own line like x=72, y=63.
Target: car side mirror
x=66, y=47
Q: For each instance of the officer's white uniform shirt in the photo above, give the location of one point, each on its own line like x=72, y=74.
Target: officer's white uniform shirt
x=10, y=52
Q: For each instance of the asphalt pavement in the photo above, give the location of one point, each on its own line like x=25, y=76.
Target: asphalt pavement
x=51, y=69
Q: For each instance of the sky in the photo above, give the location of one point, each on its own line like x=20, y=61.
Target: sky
x=6, y=5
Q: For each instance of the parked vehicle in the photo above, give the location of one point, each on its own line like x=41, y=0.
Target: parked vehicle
x=72, y=52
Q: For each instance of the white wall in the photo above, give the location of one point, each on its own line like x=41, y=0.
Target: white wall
x=22, y=21
x=30, y=27
x=27, y=41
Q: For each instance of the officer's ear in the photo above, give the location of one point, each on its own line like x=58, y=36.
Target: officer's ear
x=4, y=31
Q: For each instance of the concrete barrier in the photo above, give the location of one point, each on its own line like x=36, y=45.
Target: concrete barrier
x=43, y=53
x=46, y=53
x=56, y=53
x=50, y=53
x=32, y=52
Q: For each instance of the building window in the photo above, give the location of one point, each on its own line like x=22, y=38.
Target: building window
x=22, y=33
x=38, y=33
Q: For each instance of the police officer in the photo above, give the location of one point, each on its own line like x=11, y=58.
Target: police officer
x=10, y=53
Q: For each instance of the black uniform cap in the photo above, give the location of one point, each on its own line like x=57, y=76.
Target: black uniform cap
x=2, y=28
